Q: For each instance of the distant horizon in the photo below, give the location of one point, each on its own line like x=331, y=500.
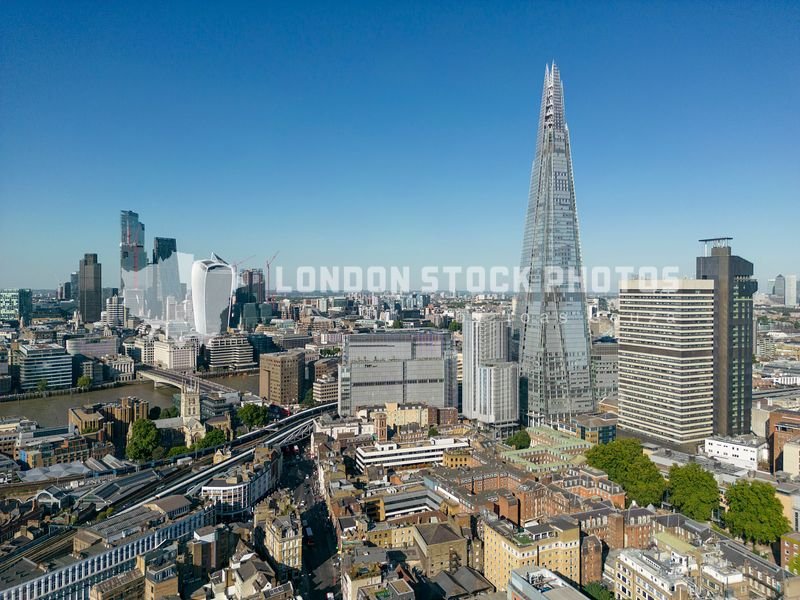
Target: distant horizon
x=341, y=134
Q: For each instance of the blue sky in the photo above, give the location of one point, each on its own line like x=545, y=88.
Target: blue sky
x=393, y=133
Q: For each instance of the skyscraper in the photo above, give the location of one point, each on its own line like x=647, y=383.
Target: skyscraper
x=90, y=296
x=131, y=248
x=253, y=282
x=779, y=291
x=74, y=285
x=791, y=290
x=733, y=335
x=133, y=260
x=554, y=346
x=491, y=384
x=166, y=274
x=212, y=287
x=666, y=358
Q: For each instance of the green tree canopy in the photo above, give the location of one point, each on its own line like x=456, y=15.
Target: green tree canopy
x=432, y=431
x=454, y=326
x=693, y=491
x=215, y=437
x=520, y=440
x=42, y=385
x=253, y=415
x=177, y=451
x=397, y=324
x=625, y=464
x=154, y=413
x=170, y=412
x=308, y=398
x=597, y=591
x=84, y=381
x=754, y=512
x=144, y=439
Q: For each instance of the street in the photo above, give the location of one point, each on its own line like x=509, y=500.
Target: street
x=320, y=574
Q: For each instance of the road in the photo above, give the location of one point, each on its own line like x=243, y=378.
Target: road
x=320, y=561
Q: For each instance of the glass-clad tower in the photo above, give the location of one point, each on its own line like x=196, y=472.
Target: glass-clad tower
x=554, y=346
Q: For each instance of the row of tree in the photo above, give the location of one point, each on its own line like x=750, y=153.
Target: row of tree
x=753, y=512
x=145, y=442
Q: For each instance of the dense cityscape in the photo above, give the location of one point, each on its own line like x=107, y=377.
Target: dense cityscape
x=215, y=428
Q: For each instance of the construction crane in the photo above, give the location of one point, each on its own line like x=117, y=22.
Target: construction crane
x=269, y=267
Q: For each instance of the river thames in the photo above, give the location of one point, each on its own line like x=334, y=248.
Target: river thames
x=52, y=410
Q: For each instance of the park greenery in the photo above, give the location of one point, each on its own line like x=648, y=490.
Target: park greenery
x=693, y=491
x=520, y=440
x=625, y=464
x=454, y=326
x=754, y=513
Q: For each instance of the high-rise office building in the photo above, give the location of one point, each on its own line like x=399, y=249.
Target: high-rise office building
x=133, y=257
x=407, y=367
x=74, y=285
x=253, y=283
x=90, y=297
x=487, y=339
x=116, y=315
x=605, y=367
x=16, y=305
x=666, y=358
x=779, y=290
x=554, y=343
x=791, y=290
x=166, y=276
x=733, y=335
x=212, y=288
x=281, y=376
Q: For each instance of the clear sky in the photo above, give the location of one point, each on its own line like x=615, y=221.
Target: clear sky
x=396, y=133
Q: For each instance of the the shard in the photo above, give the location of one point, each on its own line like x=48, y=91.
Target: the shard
x=554, y=344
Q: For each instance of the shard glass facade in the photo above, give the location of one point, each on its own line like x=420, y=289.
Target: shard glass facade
x=554, y=345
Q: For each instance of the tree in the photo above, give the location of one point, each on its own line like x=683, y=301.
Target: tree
x=42, y=385
x=794, y=564
x=754, y=512
x=597, y=591
x=397, y=324
x=170, y=412
x=625, y=464
x=432, y=431
x=177, y=451
x=215, y=437
x=693, y=491
x=454, y=326
x=253, y=415
x=143, y=440
x=84, y=381
x=154, y=413
x=308, y=399
x=520, y=440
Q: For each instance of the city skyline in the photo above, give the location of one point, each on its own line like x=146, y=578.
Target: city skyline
x=452, y=135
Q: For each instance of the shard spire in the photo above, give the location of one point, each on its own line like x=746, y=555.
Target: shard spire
x=554, y=345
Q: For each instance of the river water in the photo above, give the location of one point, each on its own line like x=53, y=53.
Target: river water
x=52, y=410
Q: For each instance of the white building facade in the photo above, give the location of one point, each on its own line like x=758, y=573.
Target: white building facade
x=213, y=282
